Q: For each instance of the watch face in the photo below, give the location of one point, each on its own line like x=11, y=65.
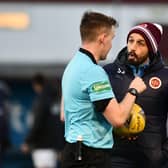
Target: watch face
x=133, y=91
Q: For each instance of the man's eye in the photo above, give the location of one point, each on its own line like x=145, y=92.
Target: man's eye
x=130, y=41
x=141, y=44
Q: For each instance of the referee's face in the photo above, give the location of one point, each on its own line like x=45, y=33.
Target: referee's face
x=107, y=43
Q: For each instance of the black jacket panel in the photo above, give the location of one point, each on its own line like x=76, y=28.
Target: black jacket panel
x=154, y=102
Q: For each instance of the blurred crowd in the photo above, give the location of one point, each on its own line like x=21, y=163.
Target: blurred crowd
x=43, y=141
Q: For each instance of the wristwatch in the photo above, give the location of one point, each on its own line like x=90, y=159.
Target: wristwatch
x=133, y=91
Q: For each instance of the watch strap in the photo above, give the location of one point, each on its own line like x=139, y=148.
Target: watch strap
x=133, y=91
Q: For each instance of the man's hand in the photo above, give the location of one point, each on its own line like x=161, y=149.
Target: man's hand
x=138, y=84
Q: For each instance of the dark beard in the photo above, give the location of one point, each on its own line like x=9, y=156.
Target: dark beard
x=133, y=59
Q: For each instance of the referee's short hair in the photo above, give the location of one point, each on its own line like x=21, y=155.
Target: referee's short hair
x=93, y=23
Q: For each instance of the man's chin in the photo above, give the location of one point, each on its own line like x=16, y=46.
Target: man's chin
x=132, y=62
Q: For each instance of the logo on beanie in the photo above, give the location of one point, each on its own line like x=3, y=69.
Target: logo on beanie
x=144, y=25
x=155, y=83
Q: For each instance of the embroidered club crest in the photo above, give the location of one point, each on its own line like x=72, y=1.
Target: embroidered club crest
x=155, y=83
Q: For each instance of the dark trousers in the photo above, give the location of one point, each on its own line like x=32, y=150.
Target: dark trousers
x=143, y=152
x=91, y=157
x=125, y=154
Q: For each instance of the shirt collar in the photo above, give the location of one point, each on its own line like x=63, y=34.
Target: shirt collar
x=89, y=54
x=139, y=71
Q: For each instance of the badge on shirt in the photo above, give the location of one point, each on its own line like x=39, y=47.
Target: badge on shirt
x=101, y=86
x=155, y=83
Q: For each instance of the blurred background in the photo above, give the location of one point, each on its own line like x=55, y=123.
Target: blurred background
x=41, y=36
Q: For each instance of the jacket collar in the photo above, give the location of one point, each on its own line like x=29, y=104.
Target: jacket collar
x=155, y=64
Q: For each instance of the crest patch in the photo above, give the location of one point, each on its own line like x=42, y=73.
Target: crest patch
x=155, y=83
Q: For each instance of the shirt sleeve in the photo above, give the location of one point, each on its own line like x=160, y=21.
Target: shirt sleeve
x=97, y=84
x=101, y=105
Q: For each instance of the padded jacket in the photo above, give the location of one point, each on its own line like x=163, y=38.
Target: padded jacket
x=154, y=101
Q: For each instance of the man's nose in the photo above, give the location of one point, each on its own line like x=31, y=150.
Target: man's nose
x=133, y=47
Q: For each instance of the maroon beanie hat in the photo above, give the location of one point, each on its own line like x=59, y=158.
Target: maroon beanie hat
x=151, y=32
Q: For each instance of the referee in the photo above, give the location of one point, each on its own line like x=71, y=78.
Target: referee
x=90, y=107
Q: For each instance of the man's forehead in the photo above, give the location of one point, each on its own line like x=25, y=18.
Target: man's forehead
x=137, y=36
